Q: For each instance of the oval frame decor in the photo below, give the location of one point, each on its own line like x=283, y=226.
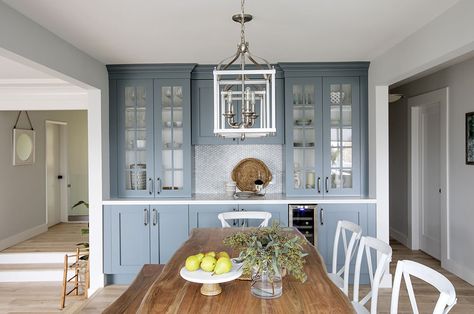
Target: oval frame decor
x=23, y=147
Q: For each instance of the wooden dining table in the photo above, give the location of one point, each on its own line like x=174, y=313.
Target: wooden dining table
x=170, y=293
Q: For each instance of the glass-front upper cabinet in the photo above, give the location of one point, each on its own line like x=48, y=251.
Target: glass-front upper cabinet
x=341, y=110
x=173, y=144
x=304, y=136
x=322, y=136
x=135, y=139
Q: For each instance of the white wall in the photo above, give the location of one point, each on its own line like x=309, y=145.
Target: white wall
x=447, y=37
x=23, y=188
x=460, y=80
x=26, y=41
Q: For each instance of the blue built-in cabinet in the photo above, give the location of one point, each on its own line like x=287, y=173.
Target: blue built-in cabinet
x=150, y=130
x=326, y=128
x=329, y=214
x=205, y=216
x=135, y=235
x=203, y=111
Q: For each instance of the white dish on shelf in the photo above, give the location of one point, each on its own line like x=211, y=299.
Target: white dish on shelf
x=168, y=124
x=178, y=124
x=201, y=276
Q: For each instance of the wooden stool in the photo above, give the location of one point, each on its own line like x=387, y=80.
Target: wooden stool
x=80, y=279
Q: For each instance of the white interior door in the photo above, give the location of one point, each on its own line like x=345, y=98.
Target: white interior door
x=430, y=209
x=53, y=160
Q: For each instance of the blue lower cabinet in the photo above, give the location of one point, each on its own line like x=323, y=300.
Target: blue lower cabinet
x=205, y=216
x=172, y=223
x=135, y=235
x=279, y=213
x=329, y=215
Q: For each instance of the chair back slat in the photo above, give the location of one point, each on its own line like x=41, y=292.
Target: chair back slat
x=264, y=216
x=366, y=244
x=405, y=269
x=344, y=226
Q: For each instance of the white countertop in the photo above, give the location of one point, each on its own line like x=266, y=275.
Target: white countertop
x=203, y=199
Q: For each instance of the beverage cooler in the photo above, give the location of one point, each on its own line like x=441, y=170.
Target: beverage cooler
x=303, y=218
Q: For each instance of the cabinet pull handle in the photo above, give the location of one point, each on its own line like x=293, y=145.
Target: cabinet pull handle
x=155, y=217
x=158, y=187
x=234, y=221
x=326, y=184
x=321, y=217
x=145, y=217
x=319, y=185
x=150, y=187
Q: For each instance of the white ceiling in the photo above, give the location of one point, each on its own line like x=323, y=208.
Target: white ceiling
x=201, y=31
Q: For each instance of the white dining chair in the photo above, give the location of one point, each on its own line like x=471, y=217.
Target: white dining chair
x=385, y=256
x=447, y=298
x=265, y=216
x=342, y=228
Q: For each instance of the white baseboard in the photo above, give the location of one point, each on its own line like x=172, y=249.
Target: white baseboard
x=22, y=236
x=459, y=270
x=399, y=236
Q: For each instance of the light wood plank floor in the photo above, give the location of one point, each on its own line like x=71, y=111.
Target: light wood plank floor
x=62, y=237
x=41, y=297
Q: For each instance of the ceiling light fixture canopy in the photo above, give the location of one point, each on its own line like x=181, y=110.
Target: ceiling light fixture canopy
x=250, y=91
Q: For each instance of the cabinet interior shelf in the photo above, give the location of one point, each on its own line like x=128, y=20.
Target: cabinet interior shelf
x=303, y=106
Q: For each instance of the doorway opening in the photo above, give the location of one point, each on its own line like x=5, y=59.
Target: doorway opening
x=419, y=210
x=56, y=172
x=429, y=219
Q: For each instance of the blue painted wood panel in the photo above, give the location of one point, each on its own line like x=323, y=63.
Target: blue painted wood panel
x=129, y=238
x=332, y=213
x=171, y=226
x=279, y=213
x=205, y=216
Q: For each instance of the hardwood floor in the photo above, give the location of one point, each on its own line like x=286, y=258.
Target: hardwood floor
x=44, y=297
x=62, y=237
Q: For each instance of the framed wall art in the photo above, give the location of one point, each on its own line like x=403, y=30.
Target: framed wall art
x=470, y=138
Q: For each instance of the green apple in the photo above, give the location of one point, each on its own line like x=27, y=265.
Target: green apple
x=222, y=254
x=212, y=253
x=223, y=265
x=208, y=263
x=200, y=256
x=192, y=263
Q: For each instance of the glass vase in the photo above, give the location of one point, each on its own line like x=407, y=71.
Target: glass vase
x=266, y=285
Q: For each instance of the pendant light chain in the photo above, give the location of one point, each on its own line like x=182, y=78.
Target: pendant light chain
x=242, y=22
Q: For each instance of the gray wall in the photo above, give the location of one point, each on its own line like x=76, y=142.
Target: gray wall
x=460, y=80
x=23, y=188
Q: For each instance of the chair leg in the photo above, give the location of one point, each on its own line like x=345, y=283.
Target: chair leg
x=76, y=272
x=63, y=291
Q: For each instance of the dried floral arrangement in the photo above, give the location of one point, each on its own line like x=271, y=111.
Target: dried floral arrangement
x=270, y=249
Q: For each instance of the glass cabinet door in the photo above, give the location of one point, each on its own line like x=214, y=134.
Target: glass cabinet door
x=304, y=139
x=172, y=137
x=135, y=102
x=341, y=135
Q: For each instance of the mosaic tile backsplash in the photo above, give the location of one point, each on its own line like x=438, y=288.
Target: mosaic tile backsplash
x=213, y=165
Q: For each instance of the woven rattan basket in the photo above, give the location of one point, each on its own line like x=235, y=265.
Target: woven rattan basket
x=247, y=171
